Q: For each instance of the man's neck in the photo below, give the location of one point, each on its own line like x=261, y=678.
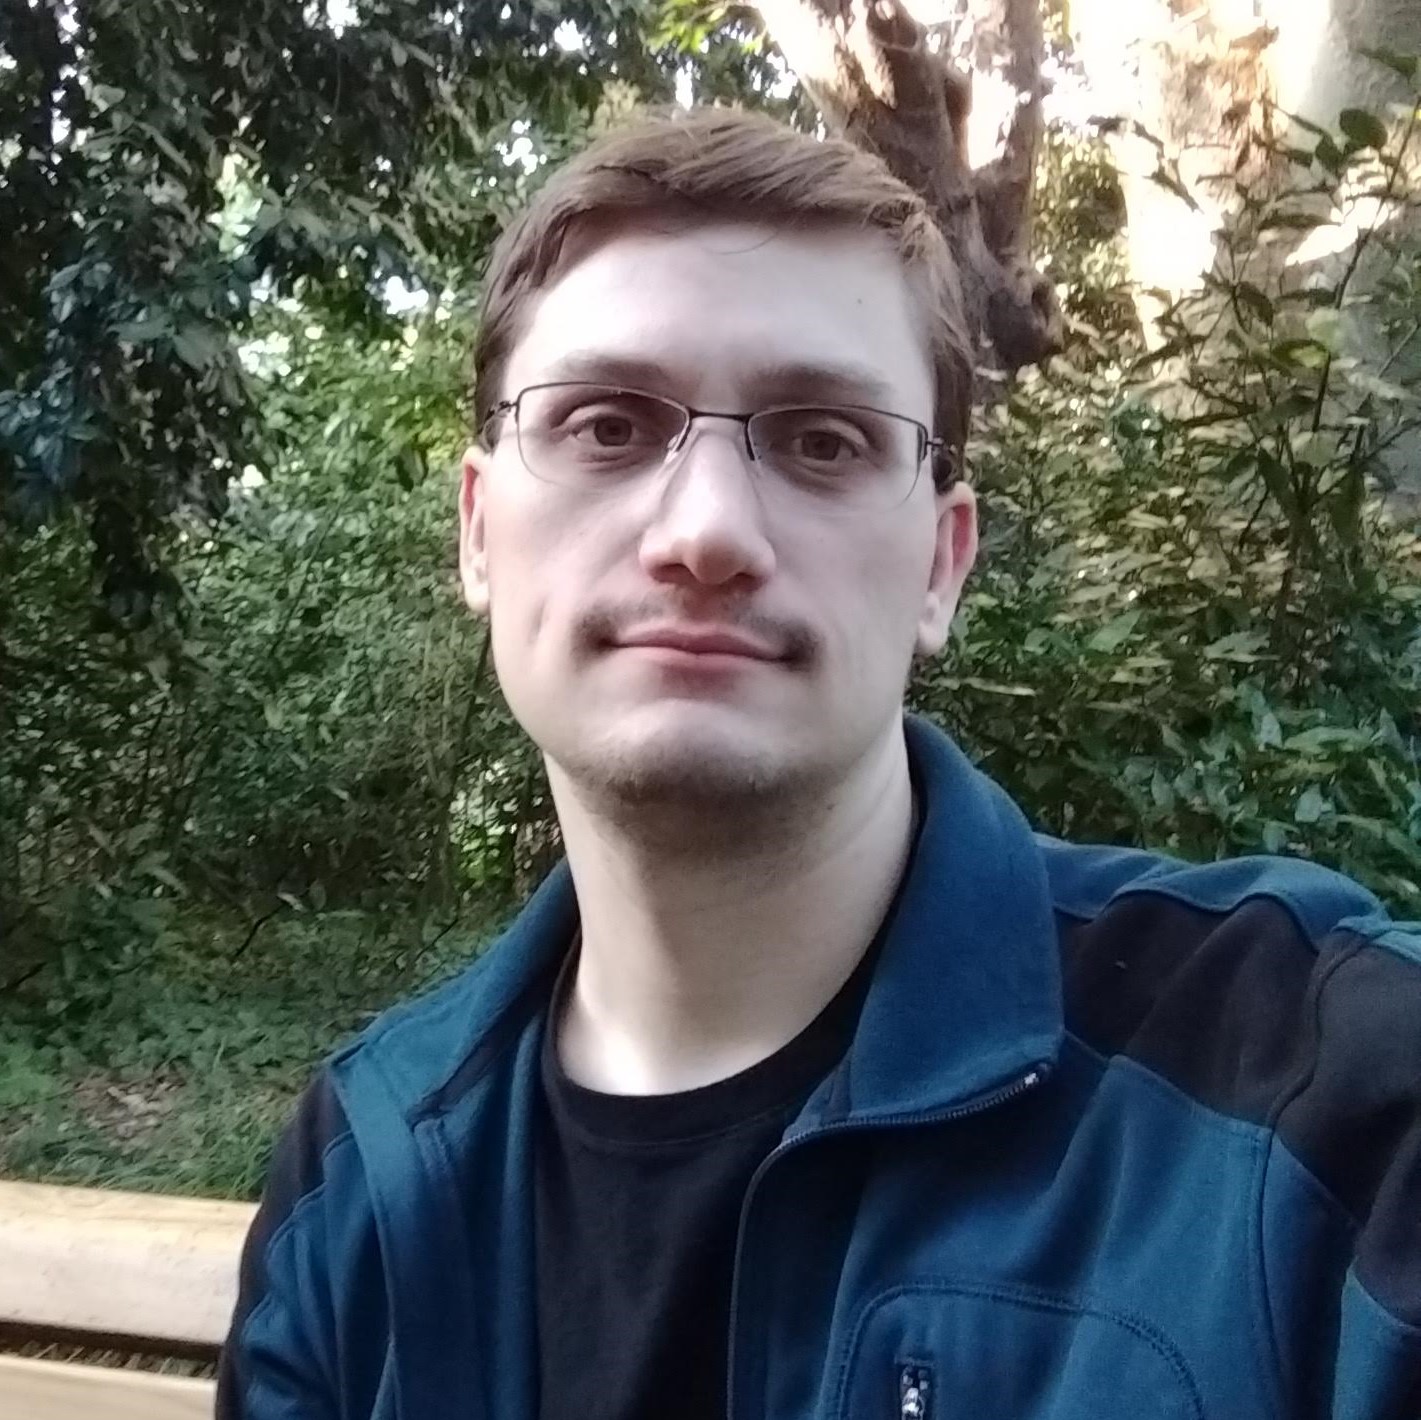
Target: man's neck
x=695, y=965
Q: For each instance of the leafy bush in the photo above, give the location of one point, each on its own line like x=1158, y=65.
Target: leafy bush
x=178, y=1078
x=1198, y=625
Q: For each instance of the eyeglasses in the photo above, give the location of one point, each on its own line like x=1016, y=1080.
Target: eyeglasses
x=592, y=438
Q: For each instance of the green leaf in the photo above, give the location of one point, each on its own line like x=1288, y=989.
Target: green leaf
x=1252, y=299
x=1315, y=447
x=1344, y=507
x=992, y=687
x=409, y=467
x=1270, y=732
x=143, y=330
x=197, y=346
x=1311, y=805
x=1292, y=222
x=166, y=148
x=1241, y=647
x=1277, y=481
x=1161, y=791
x=167, y=877
x=1407, y=65
x=1307, y=353
x=1167, y=351
x=1329, y=154
x=1364, y=128
x=1292, y=405
x=1114, y=632
x=1167, y=180
x=1325, y=327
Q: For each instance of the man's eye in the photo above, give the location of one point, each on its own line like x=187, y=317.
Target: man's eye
x=616, y=427
x=814, y=437
x=610, y=431
x=823, y=446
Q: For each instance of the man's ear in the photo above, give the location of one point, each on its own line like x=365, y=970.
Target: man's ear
x=473, y=556
x=955, y=552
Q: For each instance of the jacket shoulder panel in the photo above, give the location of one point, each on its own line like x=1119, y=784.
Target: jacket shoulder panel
x=1277, y=993
x=1087, y=879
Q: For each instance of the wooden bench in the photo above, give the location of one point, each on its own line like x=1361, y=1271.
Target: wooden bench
x=128, y=1272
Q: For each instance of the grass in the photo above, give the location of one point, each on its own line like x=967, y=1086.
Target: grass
x=174, y=1074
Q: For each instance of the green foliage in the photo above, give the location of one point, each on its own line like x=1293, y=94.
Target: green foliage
x=263, y=782
x=302, y=733
x=1120, y=664
x=220, y=420
x=1198, y=621
x=167, y=166
x=1078, y=233
x=178, y=1077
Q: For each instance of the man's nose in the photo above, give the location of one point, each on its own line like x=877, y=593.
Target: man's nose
x=708, y=521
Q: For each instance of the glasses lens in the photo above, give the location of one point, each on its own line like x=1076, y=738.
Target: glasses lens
x=585, y=435
x=859, y=458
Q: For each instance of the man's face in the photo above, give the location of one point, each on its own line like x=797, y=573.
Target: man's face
x=727, y=318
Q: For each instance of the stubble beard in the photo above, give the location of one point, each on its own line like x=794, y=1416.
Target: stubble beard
x=694, y=778
x=692, y=796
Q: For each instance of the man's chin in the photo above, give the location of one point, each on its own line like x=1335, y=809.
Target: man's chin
x=694, y=757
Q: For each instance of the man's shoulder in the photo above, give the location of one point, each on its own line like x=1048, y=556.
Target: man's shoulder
x=1276, y=1001
x=1088, y=881
x=1255, y=985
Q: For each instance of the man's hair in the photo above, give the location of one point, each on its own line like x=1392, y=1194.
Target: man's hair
x=717, y=164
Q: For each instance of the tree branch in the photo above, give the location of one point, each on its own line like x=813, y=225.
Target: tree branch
x=869, y=67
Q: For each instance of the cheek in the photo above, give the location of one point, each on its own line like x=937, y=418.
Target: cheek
x=539, y=568
x=879, y=580
x=515, y=539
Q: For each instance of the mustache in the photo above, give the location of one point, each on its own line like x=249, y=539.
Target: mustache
x=603, y=625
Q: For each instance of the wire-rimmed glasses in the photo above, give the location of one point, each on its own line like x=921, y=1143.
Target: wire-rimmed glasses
x=598, y=437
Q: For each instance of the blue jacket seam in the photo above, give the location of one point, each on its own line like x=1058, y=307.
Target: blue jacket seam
x=1155, y=889
x=1409, y=1333
x=1244, y=1128
x=1266, y=1339
x=302, y=1206
x=1262, y=1141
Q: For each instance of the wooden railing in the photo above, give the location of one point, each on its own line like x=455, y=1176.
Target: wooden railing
x=114, y=1272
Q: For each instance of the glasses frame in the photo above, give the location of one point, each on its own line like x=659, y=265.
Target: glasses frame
x=928, y=443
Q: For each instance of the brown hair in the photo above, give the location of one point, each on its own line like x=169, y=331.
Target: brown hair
x=716, y=163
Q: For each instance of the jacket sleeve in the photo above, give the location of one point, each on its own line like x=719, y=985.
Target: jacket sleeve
x=277, y=1361
x=1341, y=1217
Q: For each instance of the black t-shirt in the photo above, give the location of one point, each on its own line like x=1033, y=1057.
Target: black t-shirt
x=638, y=1204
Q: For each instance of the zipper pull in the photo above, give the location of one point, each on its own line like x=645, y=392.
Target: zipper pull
x=915, y=1385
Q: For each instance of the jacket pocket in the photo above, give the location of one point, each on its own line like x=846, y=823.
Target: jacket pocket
x=938, y=1350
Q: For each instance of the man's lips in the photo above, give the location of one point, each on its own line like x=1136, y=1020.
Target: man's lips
x=698, y=641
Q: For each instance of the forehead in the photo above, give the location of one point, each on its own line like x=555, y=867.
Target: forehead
x=734, y=313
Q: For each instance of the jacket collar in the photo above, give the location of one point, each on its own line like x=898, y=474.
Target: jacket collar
x=440, y=1092
x=966, y=995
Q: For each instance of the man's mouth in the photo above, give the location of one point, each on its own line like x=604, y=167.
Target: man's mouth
x=708, y=641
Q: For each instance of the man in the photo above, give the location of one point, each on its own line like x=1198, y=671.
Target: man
x=813, y=1084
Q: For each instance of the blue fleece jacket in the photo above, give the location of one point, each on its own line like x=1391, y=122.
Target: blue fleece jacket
x=1115, y=1137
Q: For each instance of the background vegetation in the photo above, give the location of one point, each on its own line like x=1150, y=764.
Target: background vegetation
x=255, y=778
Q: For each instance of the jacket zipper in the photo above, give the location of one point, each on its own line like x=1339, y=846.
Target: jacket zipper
x=915, y=1389
x=977, y=1105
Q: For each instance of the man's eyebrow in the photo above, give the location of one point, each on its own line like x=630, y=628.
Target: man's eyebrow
x=782, y=382
x=840, y=383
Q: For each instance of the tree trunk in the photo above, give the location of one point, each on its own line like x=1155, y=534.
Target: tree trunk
x=905, y=90
x=1188, y=93
x=1207, y=81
